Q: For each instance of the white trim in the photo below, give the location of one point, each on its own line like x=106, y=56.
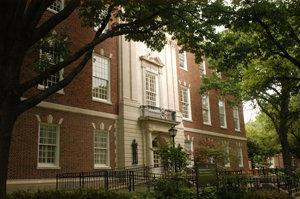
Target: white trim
x=214, y=134
x=30, y=181
x=108, y=100
x=57, y=152
x=241, y=163
x=225, y=118
x=54, y=11
x=95, y=99
x=72, y=109
x=107, y=165
x=189, y=102
x=184, y=67
x=208, y=108
x=236, y=109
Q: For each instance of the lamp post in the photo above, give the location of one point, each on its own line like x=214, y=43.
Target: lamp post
x=173, y=133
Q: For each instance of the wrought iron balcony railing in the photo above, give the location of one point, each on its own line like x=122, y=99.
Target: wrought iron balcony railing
x=148, y=111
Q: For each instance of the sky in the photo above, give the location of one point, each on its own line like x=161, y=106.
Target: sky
x=249, y=112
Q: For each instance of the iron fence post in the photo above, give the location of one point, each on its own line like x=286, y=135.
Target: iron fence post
x=106, y=181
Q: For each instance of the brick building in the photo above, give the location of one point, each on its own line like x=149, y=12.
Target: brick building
x=126, y=98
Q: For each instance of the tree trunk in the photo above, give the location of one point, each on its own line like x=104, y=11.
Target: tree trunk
x=8, y=115
x=283, y=128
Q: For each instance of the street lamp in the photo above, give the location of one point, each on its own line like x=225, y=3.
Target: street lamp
x=173, y=132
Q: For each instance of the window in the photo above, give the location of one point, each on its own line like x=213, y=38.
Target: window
x=240, y=157
x=202, y=69
x=206, y=110
x=101, y=78
x=185, y=102
x=151, y=89
x=222, y=114
x=227, y=159
x=56, y=6
x=236, y=119
x=101, y=148
x=48, y=154
x=188, y=146
x=52, y=58
x=182, y=60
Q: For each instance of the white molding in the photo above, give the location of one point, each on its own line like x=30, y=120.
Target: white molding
x=72, y=109
x=30, y=181
x=214, y=134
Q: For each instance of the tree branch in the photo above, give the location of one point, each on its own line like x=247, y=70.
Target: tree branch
x=115, y=31
x=270, y=36
x=52, y=22
x=268, y=113
x=33, y=101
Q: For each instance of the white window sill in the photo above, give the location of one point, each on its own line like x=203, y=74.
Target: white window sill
x=183, y=68
x=47, y=166
x=227, y=166
x=102, y=101
x=223, y=127
x=237, y=130
x=101, y=167
x=61, y=91
x=187, y=119
x=241, y=166
x=51, y=10
x=208, y=124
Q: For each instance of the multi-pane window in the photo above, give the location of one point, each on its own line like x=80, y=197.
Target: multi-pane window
x=202, y=69
x=156, y=159
x=100, y=148
x=101, y=74
x=222, y=114
x=52, y=58
x=206, y=110
x=182, y=60
x=48, y=145
x=185, y=102
x=240, y=157
x=227, y=159
x=57, y=5
x=151, y=89
x=188, y=145
x=236, y=119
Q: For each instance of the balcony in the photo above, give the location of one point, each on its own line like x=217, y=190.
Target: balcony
x=153, y=113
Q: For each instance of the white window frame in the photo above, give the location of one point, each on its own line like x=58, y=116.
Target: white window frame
x=236, y=117
x=227, y=160
x=189, y=151
x=61, y=7
x=41, y=165
x=241, y=158
x=107, y=165
x=202, y=68
x=147, y=72
x=60, y=77
x=221, y=104
x=184, y=67
x=189, y=110
x=108, y=100
x=208, y=110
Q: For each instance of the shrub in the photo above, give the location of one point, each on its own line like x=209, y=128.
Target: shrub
x=172, y=188
x=257, y=194
x=80, y=194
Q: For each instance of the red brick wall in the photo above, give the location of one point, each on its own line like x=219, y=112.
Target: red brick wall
x=192, y=77
x=76, y=144
x=79, y=92
x=197, y=138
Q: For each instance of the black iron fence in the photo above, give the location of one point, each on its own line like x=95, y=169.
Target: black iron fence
x=131, y=178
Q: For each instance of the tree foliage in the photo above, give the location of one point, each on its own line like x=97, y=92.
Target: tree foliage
x=258, y=55
x=262, y=140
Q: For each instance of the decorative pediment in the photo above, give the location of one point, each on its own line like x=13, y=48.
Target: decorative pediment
x=152, y=59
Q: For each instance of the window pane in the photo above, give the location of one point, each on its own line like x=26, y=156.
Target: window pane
x=205, y=109
x=100, y=147
x=56, y=5
x=48, y=143
x=101, y=68
x=151, y=91
x=185, y=102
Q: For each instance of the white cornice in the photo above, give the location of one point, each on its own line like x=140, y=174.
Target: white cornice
x=214, y=134
x=72, y=109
